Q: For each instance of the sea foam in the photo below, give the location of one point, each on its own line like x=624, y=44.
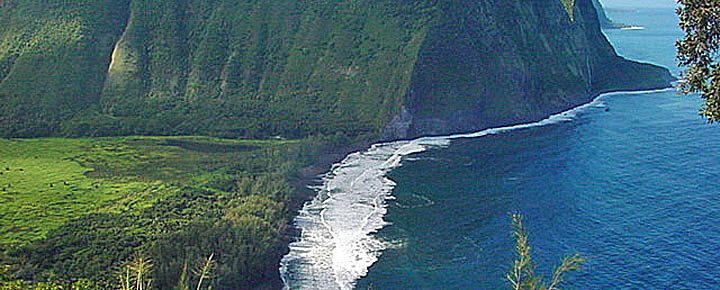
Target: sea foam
x=633, y=28
x=337, y=244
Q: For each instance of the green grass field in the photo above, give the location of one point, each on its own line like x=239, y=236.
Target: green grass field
x=46, y=182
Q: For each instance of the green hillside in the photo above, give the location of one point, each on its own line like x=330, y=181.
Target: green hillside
x=74, y=208
x=291, y=68
x=53, y=58
x=218, y=67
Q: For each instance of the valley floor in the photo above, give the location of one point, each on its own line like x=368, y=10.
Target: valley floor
x=72, y=208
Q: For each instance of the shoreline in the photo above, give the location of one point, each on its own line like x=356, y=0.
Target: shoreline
x=304, y=183
x=310, y=177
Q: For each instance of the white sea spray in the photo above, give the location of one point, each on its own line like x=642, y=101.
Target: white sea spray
x=337, y=245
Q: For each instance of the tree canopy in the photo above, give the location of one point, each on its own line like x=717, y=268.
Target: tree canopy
x=698, y=52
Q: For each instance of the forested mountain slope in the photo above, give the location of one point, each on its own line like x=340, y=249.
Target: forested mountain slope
x=298, y=67
x=493, y=63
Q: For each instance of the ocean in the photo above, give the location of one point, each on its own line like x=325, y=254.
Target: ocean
x=629, y=181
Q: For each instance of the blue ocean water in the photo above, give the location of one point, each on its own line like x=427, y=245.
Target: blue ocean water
x=632, y=184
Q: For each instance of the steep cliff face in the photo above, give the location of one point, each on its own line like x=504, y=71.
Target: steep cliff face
x=261, y=68
x=492, y=63
x=218, y=67
x=53, y=58
x=298, y=67
x=605, y=22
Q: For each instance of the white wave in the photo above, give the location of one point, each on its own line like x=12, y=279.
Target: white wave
x=632, y=28
x=337, y=245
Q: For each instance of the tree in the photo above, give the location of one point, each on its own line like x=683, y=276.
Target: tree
x=698, y=53
x=522, y=275
x=135, y=275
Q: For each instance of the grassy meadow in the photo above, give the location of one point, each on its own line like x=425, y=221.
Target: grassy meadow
x=103, y=199
x=46, y=182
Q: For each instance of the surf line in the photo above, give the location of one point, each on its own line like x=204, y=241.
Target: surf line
x=337, y=244
x=632, y=28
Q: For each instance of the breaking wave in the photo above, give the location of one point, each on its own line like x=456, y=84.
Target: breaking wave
x=337, y=244
x=633, y=28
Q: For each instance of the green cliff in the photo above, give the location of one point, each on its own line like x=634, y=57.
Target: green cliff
x=259, y=69
x=605, y=22
x=229, y=68
x=494, y=63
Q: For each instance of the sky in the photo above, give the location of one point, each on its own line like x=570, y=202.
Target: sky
x=638, y=3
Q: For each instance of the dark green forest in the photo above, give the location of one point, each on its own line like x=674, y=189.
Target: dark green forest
x=214, y=67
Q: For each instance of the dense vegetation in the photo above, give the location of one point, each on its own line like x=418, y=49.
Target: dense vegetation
x=217, y=67
x=77, y=208
x=52, y=60
x=698, y=53
x=259, y=69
